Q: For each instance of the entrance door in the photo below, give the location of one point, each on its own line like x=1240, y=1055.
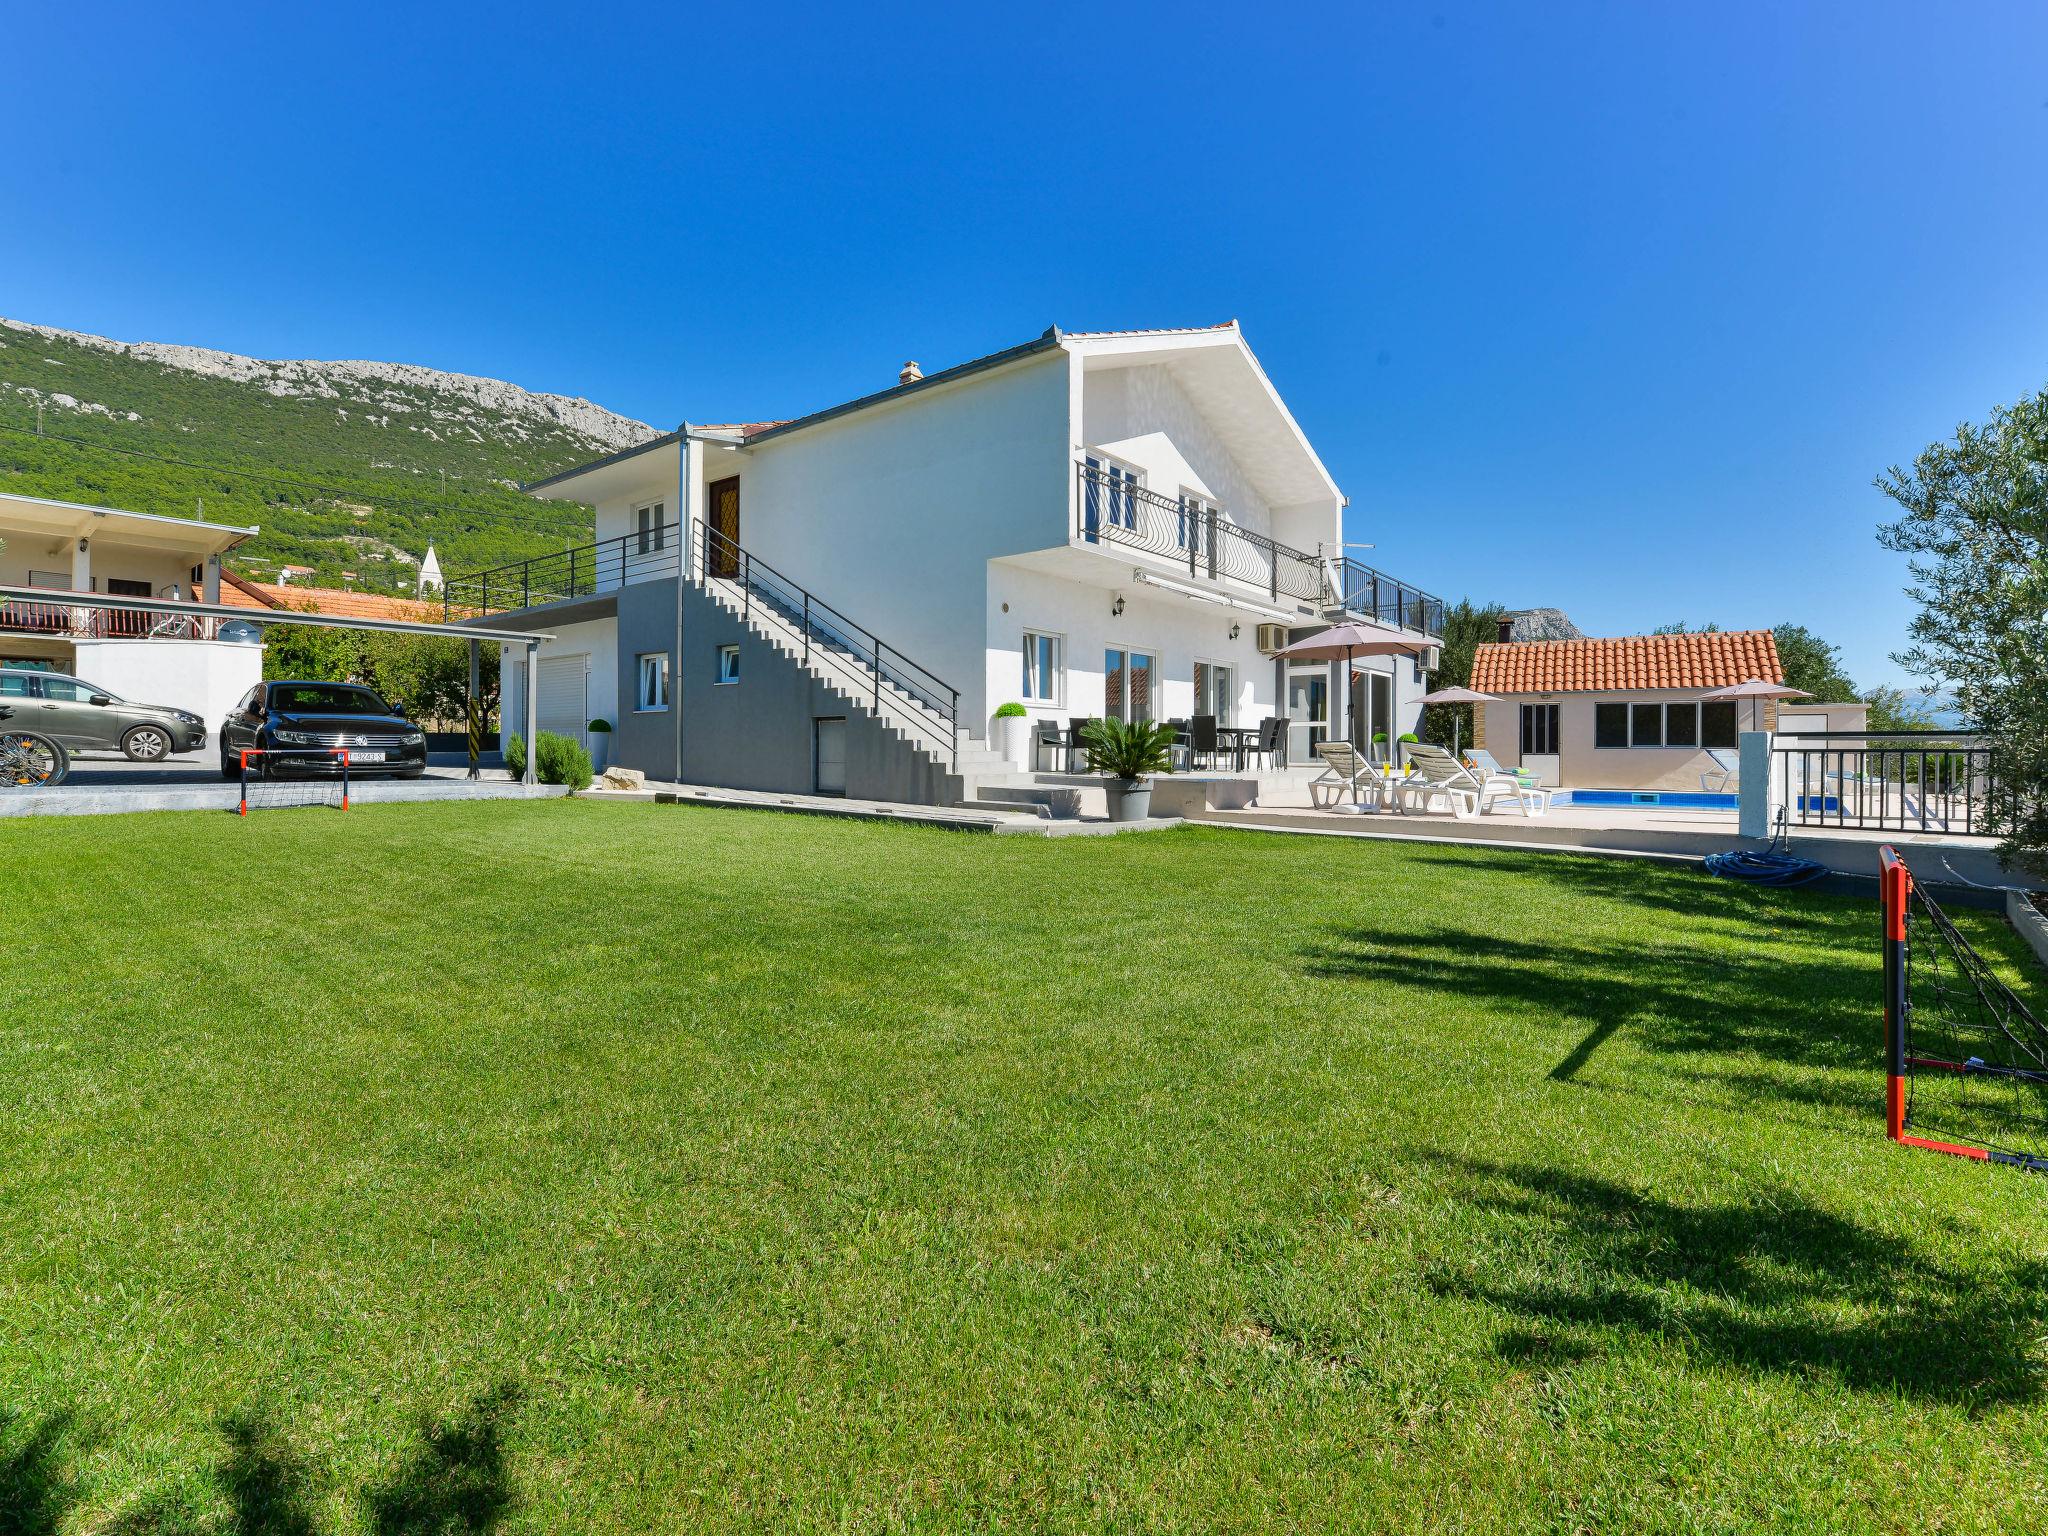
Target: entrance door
x=722, y=509
x=828, y=756
x=562, y=703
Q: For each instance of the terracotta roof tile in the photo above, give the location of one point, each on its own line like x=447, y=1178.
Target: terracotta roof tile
x=1715, y=660
x=240, y=592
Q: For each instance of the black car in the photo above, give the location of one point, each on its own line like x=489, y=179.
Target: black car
x=301, y=727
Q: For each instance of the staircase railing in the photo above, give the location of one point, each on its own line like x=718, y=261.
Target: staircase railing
x=830, y=638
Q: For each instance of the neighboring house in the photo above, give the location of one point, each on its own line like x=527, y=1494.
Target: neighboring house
x=1121, y=524
x=61, y=547
x=335, y=602
x=1620, y=714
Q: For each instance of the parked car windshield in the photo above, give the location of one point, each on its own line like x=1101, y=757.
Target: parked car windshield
x=327, y=698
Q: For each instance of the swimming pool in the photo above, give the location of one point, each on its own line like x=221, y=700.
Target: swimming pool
x=1674, y=799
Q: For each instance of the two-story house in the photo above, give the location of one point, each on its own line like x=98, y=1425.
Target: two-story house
x=63, y=550
x=1125, y=524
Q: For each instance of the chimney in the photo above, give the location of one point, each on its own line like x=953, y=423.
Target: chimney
x=911, y=373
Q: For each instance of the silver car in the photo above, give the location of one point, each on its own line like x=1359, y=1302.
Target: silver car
x=76, y=714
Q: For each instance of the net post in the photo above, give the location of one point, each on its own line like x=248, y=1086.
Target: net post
x=243, y=808
x=344, y=778
x=1895, y=891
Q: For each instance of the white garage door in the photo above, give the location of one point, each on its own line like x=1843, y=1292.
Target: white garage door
x=563, y=698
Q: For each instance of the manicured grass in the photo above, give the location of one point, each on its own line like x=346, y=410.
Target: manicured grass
x=615, y=1167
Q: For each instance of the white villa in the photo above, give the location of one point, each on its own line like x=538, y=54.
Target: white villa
x=1123, y=524
x=61, y=549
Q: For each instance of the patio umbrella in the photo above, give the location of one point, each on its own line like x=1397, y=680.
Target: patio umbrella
x=1347, y=641
x=1456, y=695
x=1753, y=690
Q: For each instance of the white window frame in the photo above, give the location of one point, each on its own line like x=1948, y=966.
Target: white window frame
x=1158, y=670
x=1107, y=509
x=728, y=676
x=1225, y=715
x=1057, y=697
x=650, y=537
x=641, y=706
x=1191, y=522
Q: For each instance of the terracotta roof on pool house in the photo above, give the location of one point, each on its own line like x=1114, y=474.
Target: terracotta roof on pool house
x=1717, y=659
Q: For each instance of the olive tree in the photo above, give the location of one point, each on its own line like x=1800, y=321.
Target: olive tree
x=1975, y=529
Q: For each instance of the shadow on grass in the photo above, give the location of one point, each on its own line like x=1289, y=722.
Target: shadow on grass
x=1769, y=1283
x=36, y=1491
x=1669, y=997
x=454, y=1482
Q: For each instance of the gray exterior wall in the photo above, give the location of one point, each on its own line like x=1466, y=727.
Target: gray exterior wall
x=756, y=733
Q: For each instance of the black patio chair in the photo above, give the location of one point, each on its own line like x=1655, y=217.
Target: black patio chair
x=1179, y=749
x=1202, y=744
x=1273, y=741
x=1046, y=737
x=1076, y=746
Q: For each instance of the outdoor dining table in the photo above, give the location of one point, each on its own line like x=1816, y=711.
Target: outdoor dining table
x=1241, y=738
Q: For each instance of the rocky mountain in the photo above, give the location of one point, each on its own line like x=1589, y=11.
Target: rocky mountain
x=349, y=467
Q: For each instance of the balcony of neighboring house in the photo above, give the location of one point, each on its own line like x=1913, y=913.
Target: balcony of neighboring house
x=1188, y=544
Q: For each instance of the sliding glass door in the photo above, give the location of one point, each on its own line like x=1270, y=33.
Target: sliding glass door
x=1130, y=684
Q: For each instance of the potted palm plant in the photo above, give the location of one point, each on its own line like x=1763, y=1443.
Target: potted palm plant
x=1124, y=753
x=1013, y=734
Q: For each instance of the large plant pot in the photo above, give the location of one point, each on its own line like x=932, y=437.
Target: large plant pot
x=1013, y=740
x=600, y=751
x=1129, y=799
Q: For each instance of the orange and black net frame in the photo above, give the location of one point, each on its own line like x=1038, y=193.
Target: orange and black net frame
x=1896, y=897
x=249, y=752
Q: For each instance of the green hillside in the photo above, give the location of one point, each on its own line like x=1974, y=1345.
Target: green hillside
x=348, y=468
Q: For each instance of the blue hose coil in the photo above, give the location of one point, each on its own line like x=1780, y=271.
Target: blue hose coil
x=1764, y=868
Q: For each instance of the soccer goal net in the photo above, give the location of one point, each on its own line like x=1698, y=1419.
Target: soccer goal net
x=277, y=778
x=1968, y=1061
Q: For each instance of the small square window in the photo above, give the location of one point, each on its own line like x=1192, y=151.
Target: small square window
x=653, y=675
x=728, y=664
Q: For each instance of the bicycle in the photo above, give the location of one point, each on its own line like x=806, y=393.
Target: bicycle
x=29, y=761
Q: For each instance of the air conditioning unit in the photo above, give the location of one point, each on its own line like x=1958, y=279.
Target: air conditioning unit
x=1431, y=659
x=1272, y=639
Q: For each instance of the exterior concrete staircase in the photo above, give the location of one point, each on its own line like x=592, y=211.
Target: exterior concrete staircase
x=908, y=703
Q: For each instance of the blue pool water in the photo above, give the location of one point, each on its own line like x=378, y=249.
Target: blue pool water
x=1677, y=799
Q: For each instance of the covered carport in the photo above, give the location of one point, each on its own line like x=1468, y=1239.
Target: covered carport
x=173, y=623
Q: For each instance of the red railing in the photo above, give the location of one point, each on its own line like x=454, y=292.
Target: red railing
x=72, y=621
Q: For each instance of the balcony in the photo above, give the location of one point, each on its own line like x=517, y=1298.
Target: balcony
x=1112, y=510
x=57, y=619
x=585, y=571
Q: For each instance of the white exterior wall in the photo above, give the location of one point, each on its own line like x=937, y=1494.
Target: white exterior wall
x=204, y=676
x=1583, y=766
x=596, y=639
x=1177, y=631
x=1142, y=417
x=891, y=514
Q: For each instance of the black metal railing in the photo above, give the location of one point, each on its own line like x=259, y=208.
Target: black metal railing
x=1112, y=509
x=828, y=638
x=583, y=571
x=1892, y=781
x=1376, y=595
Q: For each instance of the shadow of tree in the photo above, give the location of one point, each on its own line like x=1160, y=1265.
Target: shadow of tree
x=265, y=1480
x=1768, y=1282
x=454, y=1481
x=36, y=1491
x=1669, y=997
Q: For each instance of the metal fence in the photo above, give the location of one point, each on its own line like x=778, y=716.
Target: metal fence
x=1113, y=509
x=1896, y=781
x=71, y=621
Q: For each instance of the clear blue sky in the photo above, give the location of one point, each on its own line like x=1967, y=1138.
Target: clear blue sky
x=1612, y=307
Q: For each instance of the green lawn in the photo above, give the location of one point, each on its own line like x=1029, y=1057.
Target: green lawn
x=589, y=1167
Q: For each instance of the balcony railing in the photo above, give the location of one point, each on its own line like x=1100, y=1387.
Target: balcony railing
x=1375, y=595
x=70, y=621
x=583, y=571
x=1112, y=509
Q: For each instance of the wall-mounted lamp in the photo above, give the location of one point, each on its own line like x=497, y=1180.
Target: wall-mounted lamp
x=1116, y=609
x=1236, y=629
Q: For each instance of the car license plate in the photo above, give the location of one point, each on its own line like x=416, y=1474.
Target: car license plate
x=355, y=755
